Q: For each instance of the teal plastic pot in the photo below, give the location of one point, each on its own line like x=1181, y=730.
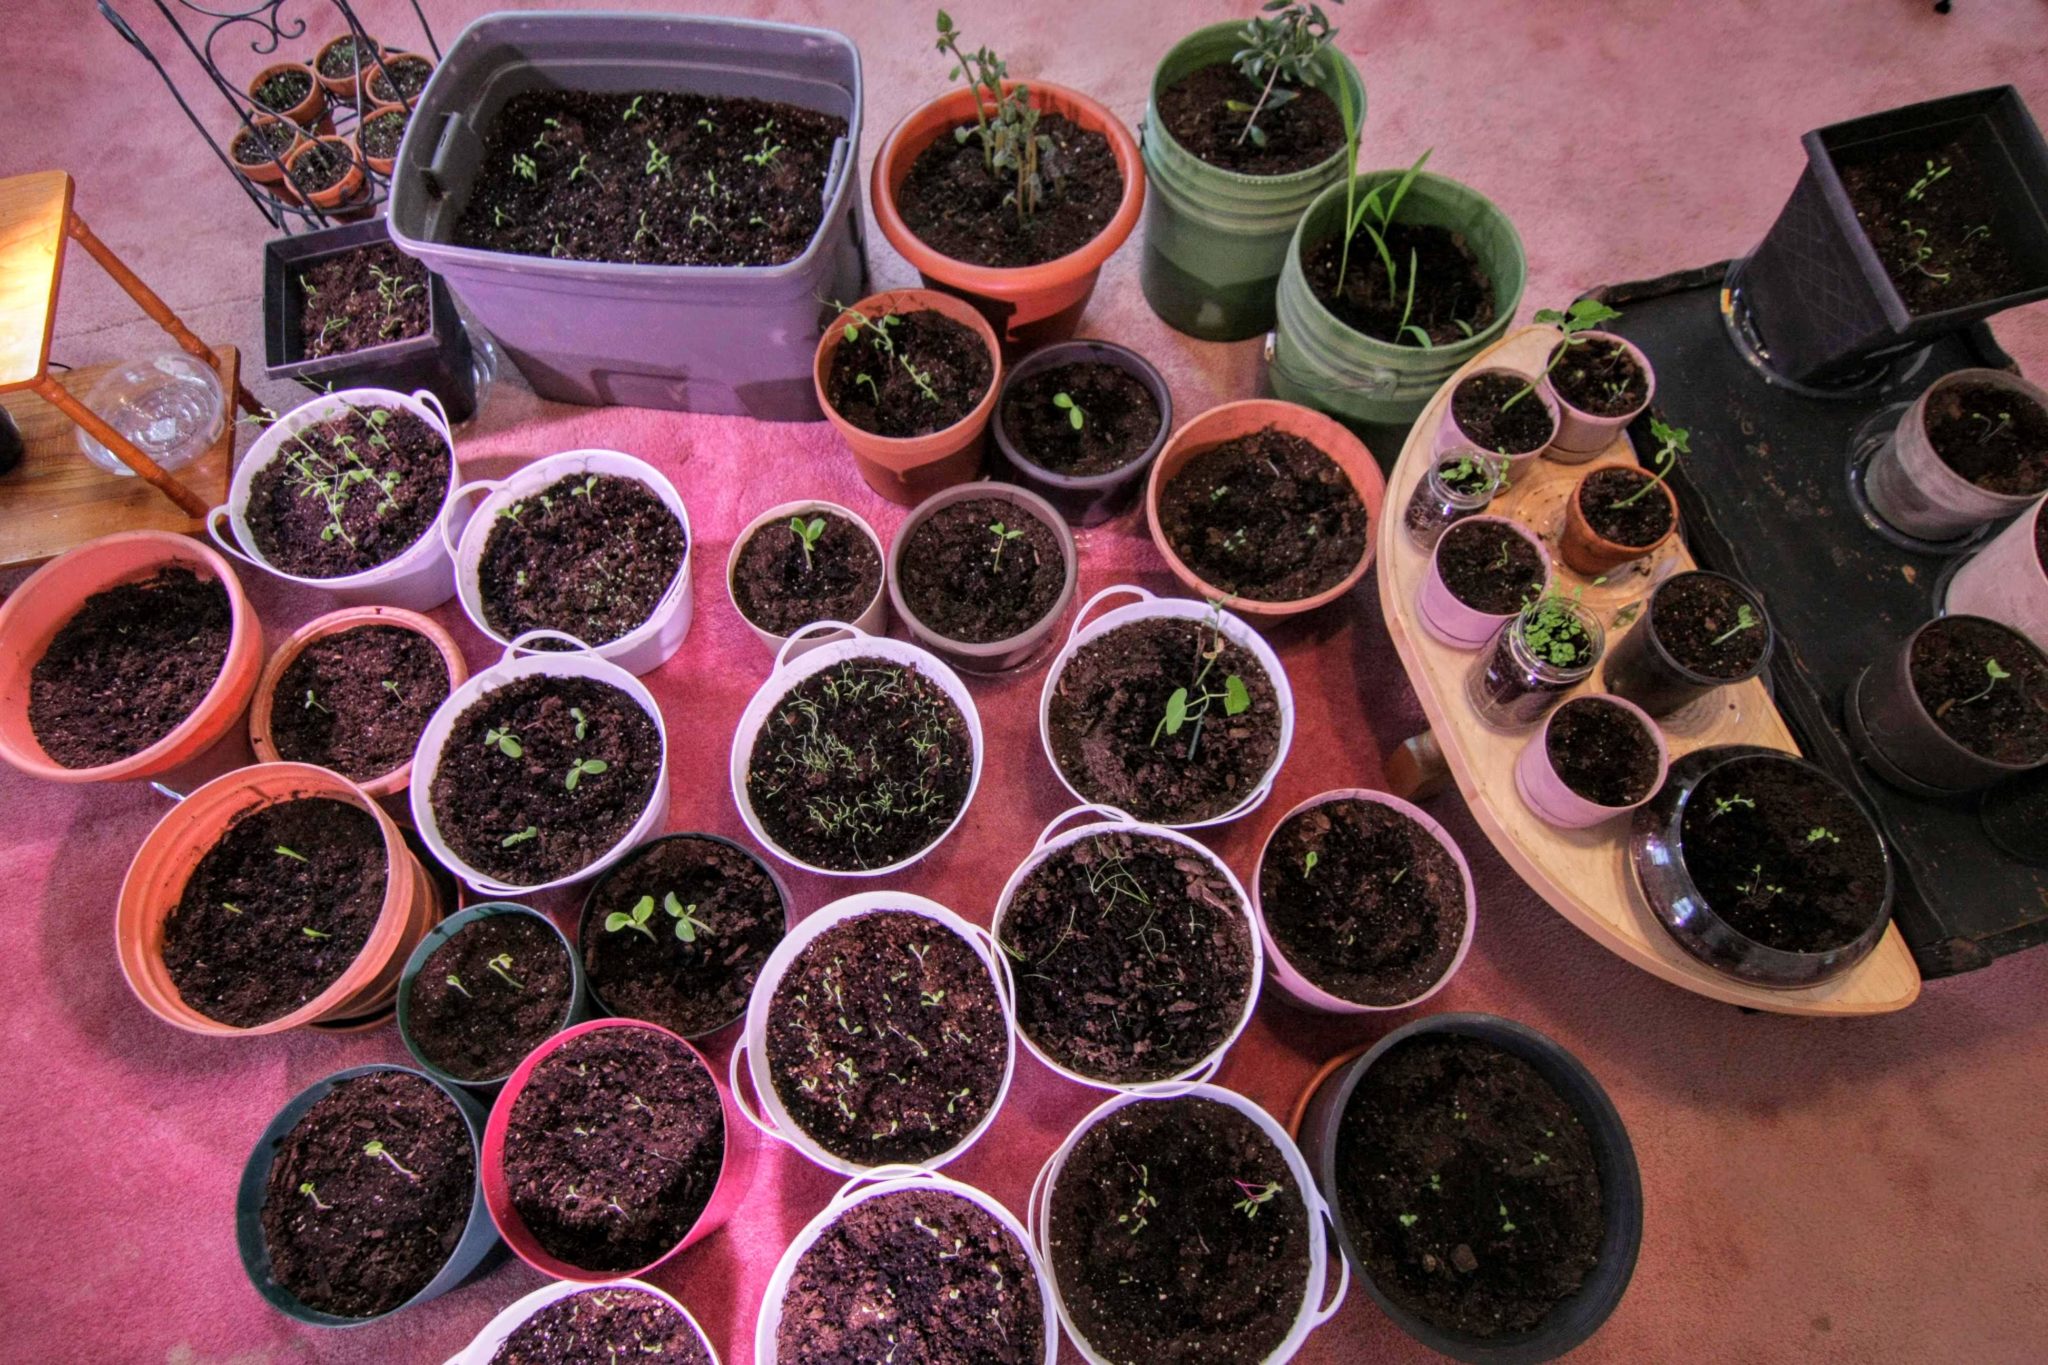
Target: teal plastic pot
x=1214, y=240
x=1320, y=363
x=579, y=998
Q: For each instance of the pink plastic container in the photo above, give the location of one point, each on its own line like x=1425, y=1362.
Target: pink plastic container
x=1451, y=437
x=1582, y=435
x=2005, y=580
x=1546, y=793
x=1448, y=620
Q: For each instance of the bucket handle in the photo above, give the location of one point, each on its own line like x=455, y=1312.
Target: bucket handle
x=427, y=398
x=1081, y=617
x=1372, y=379
x=1109, y=812
x=167, y=792
x=876, y=1176
x=449, y=535
x=1166, y=1090
x=782, y=654
x=1006, y=985
x=227, y=542
x=1038, y=1184
x=733, y=1071
x=1334, y=1251
x=520, y=643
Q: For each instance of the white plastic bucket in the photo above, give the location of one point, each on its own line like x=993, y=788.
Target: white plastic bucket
x=874, y=618
x=509, y=1320
x=419, y=577
x=640, y=650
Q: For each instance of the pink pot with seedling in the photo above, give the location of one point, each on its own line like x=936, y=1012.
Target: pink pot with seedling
x=1915, y=490
x=1450, y=437
x=1580, y=434
x=1451, y=621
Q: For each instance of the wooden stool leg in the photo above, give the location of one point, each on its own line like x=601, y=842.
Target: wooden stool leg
x=149, y=469
x=1417, y=769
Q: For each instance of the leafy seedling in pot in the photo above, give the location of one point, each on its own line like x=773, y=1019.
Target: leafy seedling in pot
x=306, y=1188
x=376, y=1148
x=1745, y=619
x=1187, y=704
x=634, y=919
x=501, y=967
x=1375, y=217
x=688, y=926
x=582, y=768
x=807, y=534
x=1255, y=1196
x=1724, y=804
x=505, y=742
x=1004, y=535
x=1581, y=317
x=1280, y=44
x=877, y=331
x=1005, y=121
x=1553, y=631
x=1672, y=442
x=1076, y=418
x=1470, y=473
x=518, y=837
x=1994, y=673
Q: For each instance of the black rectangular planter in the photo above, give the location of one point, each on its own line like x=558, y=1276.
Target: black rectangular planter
x=437, y=359
x=1815, y=290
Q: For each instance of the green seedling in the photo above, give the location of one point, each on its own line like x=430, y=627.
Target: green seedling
x=1004, y=120
x=657, y=160
x=1988, y=430
x=582, y=721
x=1553, y=632
x=1470, y=474
x=1308, y=864
x=376, y=1148
x=1134, y=1221
x=389, y=686
x=1994, y=674
x=526, y=168
x=1574, y=322
x=306, y=1188
x=634, y=919
x=501, y=967
x=231, y=907
x=1255, y=1196
x=1280, y=44
x=455, y=983
x=632, y=109
x=313, y=704
x=807, y=534
x=1076, y=418
x=1933, y=176
x=878, y=332
x=581, y=167
x=1672, y=442
x=1724, y=804
x=1507, y=1224
x=1822, y=832
x=519, y=837
x=310, y=932
x=1408, y=1220
x=765, y=157
x=1004, y=535
x=1755, y=888
x=1745, y=619
x=584, y=767
x=505, y=742
x=688, y=926
x=291, y=853
x=1192, y=703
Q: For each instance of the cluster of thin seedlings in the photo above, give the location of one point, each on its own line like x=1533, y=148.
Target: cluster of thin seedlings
x=499, y=966
x=1004, y=120
x=334, y=475
x=877, y=332
x=1924, y=250
x=508, y=744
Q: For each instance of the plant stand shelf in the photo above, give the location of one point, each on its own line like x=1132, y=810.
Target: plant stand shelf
x=1583, y=874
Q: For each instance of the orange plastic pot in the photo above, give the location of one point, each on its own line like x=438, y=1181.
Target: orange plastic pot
x=48, y=599
x=334, y=623
x=1589, y=552
x=165, y=862
x=908, y=469
x=1029, y=304
x=1242, y=418
x=308, y=111
x=343, y=191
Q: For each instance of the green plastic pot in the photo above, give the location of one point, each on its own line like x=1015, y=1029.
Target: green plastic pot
x=1320, y=363
x=579, y=997
x=1214, y=240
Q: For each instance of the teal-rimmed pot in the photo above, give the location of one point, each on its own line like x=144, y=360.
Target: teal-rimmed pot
x=579, y=998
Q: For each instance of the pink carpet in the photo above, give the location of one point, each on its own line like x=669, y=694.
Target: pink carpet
x=1854, y=1191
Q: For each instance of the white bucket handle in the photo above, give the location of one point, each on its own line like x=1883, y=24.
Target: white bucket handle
x=782, y=654
x=1038, y=1192
x=1335, y=1251
x=1114, y=589
x=1173, y=1089
x=876, y=1176
x=1110, y=813
x=451, y=535
x=732, y=1079
x=227, y=542
x=512, y=650
x=429, y=399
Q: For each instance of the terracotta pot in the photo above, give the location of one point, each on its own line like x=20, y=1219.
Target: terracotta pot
x=48, y=599
x=907, y=469
x=378, y=87
x=993, y=656
x=167, y=858
x=1546, y=792
x=380, y=164
x=1581, y=435
x=1229, y=421
x=1030, y=304
x=334, y=623
x=308, y=111
x=1593, y=554
x=343, y=191
x=344, y=88
x=269, y=170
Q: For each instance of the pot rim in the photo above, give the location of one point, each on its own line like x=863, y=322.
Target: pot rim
x=516, y=1314
x=1230, y=28
x=1664, y=655
x=1601, y=542
x=1085, y=350
x=444, y=932
x=912, y=450
x=1642, y=361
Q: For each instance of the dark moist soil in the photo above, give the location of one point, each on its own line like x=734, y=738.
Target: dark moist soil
x=338, y=59
x=357, y=701
x=1762, y=865
x=779, y=587
x=284, y=92
x=886, y=1041
x=591, y=555
x=1977, y=264
x=1967, y=427
x=957, y=207
x=913, y=1275
x=949, y=356
x=1306, y=131
x=1479, y=406
x=349, y=493
x=484, y=797
x=394, y=78
x=1378, y=919
x=1119, y=420
x=614, y=1147
x=1602, y=752
x=1470, y=1187
x=1468, y=559
x=1266, y=516
x=1178, y=1234
x=1639, y=525
x=603, y=1325
x=260, y=144
x=380, y=136
x=322, y=167
x=128, y=667
x=671, y=185
x=687, y=986
x=1692, y=614
x=383, y=1233
x=1132, y=957
x=2007, y=724
x=860, y=766
x=475, y=1021
x=359, y=298
x=1451, y=286
x=257, y=932
x=1600, y=377
x=969, y=582
x=1110, y=698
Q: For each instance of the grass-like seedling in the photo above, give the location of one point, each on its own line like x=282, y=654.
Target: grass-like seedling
x=807, y=534
x=292, y=853
x=1076, y=418
x=1281, y=44
x=1134, y=1221
x=1192, y=703
x=1006, y=123
x=1672, y=442
x=1574, y=322
x=1376, y=216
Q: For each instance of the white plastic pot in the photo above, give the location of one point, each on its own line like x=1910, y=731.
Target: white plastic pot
x=1544, y=790
x=889, y=1180
x=640, y=650
x=419, y=578
x=1147, y=608
x=874, y=619
x=1311, y=1314
x=1115, y=821
x=751, y=1049
x=486, y=1343
x=1914, y=489
x=850, y=642
x=582, y=663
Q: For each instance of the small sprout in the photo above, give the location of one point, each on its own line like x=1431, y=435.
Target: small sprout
x=1308, y=864
x=1254, y=1196
x=456, y=982
x=1724, y=804
x=1745, y=619
x=377, y=1149
x=1989, y=430
x=1409, y=1220
x=807, y=534
x=632, y=109
x=526, y=167
x=530, y=832
x=313, y=704
x=1671, y=443
x=582, y=721
x=231, y=907
x=1506, y=1223
x=688, y=926
x=582, y=165
x=636, y=918
x=1994, y=673
x=657, y=159
x=591, y=767
x=291, y=853
x=931, y=999
x=310, y=932
x=1820, y=832
x=1076, y=418
x=1928, y=181
x=505, y=742
x=1004, y=535
x=392, y=688
x=501, y=966
x=306, y=1188
x=583, y=490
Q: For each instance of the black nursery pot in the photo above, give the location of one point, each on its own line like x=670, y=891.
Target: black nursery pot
x=1621, y=1189
x=1641, y=669
x=1893, y=731
x=1083, y=499
x=1817, y=293
x=438, y=359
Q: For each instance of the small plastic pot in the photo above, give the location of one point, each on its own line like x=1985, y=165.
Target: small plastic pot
x=307, y=112
x=735, y=1172
x=750, y=1050
x=993, y=656
x=1323, y=1222
x=791, y=670
x=342, y=192
x=1546, y=793
x=44, y=604
x=1030, y=304
x=1642, y=671
x=1578, y=1317
x=335, y=623
x=417, y=578
x=574, y=1012
x=642, y=649
x=1580, y=434
x=1449, y=620
x=874, y=618
x=169, y=855
x=478, y=1240
x=1296, y=988
x=1452, y=438
x=1114, y=821
x=2006, y=581
x=380, y=164
x=1228, y=422
x=1914, y=489
x=908, y=469
x=345, y=88
x=1084, y=499
x=266, y=170
x=484, y=1346
x=1897, y=736
x=1590, y=553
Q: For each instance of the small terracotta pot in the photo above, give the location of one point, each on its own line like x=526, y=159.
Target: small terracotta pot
x=908, y=469
x=1581, y=435
x=269, y=170
x=337, y=195
x=1029, y=304
x=378, y=87
x=874, y=618
x=1229, y=421
x=2006, y=580
x=1450, y=437
x=168, y=857
x=334, y=623
x=48, y=599
x=1447, y=618
x=994, y=656
x=1547, y=794
x=1593, y=554
x=380, y=164
x=307, y=112
x=344, y=88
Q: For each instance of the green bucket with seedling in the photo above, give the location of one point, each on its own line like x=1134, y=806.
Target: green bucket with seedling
x=577, y=1010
